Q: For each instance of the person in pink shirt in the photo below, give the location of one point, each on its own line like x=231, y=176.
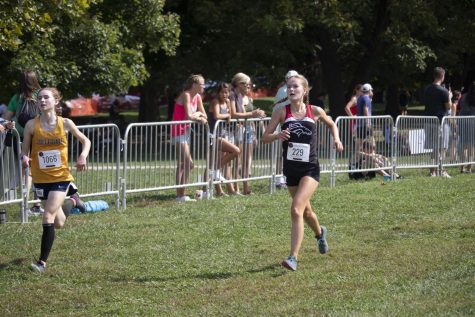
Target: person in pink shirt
x=188, y=106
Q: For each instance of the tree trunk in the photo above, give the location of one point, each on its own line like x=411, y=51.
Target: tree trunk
x=149, y=110
x=392, y=101
x=331, y=69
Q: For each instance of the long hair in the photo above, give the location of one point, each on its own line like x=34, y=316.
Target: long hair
x=192, y=79
x=28, y=84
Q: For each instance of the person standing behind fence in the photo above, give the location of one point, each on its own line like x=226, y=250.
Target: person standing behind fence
x=21, y=108
x=437, y=101
x=301, y=167
x=467, y=133
x=188, y=106
x=364, y=130
x=45, y=149
x=240, y=103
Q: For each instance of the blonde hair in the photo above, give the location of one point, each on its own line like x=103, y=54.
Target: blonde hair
x=240, y=78
x=304, y=83
x=193, y=79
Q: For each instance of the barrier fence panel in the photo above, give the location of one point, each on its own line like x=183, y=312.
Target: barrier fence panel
x=367, y=143
x=156, y=157
x=416, y=142
x=102, y=176
x=457, y=141
x=255, y=158
x=11, y=181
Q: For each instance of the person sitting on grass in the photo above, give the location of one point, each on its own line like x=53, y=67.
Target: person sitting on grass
x=370, y=159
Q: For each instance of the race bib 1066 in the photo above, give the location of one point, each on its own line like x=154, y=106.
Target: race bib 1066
x=49, y=159
x=298, y=152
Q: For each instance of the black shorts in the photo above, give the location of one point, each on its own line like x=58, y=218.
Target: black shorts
x=294, y=175
x=42, y=190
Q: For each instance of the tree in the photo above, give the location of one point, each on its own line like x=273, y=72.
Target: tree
x=85, y=46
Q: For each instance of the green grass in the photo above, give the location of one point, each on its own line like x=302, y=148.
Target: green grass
x=402, y=248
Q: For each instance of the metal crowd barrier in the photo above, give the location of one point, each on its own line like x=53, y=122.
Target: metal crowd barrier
x=11, y=182
x=416, y=143
x=102, y=175
x=152, y=160
x=367, y=143
x=458, y=141
x=255, y=161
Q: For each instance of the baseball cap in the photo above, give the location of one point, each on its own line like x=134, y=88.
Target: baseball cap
x=290, y=73
x=366, y=88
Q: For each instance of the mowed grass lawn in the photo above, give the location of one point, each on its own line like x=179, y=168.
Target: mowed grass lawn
x=404, y=248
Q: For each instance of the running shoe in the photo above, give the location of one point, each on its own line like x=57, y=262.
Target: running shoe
x=36, y=211
x=38, y=267
x=79, y=203
x=290, y=263
x=322, y=241
x=182, y=199
x=445, y=174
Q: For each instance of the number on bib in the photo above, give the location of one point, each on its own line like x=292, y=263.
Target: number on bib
x=49, y=159
x=298, y=152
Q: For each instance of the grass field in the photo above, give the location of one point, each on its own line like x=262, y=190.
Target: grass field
x=404, y=248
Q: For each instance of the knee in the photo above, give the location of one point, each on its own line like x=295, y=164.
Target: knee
x=296, y=213
x=59, y=224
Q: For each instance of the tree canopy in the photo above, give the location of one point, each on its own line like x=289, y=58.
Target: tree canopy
x=84, y=46
x=105, y=46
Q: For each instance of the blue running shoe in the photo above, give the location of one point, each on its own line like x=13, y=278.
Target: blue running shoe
x=290, y=263
x=322, y=241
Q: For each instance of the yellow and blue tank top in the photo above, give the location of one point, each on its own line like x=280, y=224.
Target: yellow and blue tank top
x=49, y=154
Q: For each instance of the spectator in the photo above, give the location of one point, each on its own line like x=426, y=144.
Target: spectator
x=457, y=95
x=404, y=99
x=370, y=159
x=242, y=108
x=45, y=141
x=226, y=151
x=350, y=107
x=437, y=101
x=188, y=106
x=363, y=126
x=301, y=166
x=3, y=109
x=280, y=101
x=21, y=108
x=467, y=133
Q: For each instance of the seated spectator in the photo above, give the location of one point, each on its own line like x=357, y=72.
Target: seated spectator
x=370, y=159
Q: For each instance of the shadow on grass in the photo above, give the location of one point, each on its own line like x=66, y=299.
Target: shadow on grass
x=204, y=276
x=14, y=262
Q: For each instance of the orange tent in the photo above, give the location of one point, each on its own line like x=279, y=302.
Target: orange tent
x=82, y=106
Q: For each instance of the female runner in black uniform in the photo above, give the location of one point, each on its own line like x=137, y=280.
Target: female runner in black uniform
x=301, y=167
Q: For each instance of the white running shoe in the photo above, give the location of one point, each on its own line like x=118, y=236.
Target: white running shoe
x=182, y=199
x=218, y=176
x=445, y=174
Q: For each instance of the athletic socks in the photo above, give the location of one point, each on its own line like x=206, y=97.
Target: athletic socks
x=46, y=241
